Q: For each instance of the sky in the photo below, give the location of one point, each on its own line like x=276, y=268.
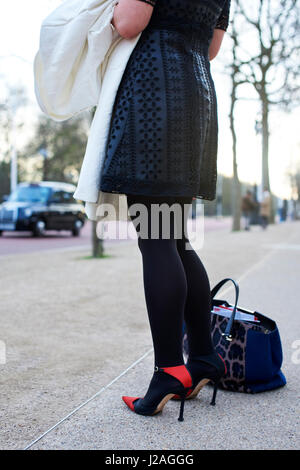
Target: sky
x=20, y=23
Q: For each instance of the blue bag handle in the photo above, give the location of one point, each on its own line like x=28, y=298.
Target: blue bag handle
x=227, y=333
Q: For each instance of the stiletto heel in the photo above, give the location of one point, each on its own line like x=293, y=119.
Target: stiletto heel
x=165, y=384
x=180, y=418
x=216, y=386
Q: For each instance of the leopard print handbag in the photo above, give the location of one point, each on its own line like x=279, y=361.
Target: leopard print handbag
x=250, y=344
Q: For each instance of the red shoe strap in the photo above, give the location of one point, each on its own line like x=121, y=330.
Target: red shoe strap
x=180, y=373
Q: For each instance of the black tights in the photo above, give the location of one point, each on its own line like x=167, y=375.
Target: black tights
x=175, y=282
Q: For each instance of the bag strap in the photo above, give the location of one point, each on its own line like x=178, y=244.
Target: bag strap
x=227, y=332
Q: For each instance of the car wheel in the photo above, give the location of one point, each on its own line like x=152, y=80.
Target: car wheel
x=76, y=229
x=39, y=228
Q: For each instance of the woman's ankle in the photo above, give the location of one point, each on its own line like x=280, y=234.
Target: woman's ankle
x=207, y=351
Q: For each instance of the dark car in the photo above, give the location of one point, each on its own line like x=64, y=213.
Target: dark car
x=37, y=207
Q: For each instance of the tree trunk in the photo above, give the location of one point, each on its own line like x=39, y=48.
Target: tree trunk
x=45, y=169
x=97, y=243
x=236, y=193
x=236, y=196
x=265, y=151
x=265, y=143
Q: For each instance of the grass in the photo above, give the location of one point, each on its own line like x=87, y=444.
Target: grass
x=95, y=257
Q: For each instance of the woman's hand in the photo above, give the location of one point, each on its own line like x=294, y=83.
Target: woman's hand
x=215, y=43
x=131, y=17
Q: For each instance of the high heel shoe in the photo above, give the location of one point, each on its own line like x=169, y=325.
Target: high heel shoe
x=205, y=369
x=166, y=382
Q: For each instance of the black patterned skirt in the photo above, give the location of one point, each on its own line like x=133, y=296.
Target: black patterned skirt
x=164, y=132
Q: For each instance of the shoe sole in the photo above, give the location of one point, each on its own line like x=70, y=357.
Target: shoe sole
x=161, y=405
x=198, y=387
x=196, y=390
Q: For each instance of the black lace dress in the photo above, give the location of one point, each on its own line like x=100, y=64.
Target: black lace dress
x=163, y=135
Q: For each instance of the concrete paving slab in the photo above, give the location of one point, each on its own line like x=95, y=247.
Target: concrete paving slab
x=72, y=325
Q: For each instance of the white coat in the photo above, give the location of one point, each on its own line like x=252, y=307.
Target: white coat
x=79, y=65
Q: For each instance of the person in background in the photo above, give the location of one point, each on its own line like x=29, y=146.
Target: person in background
x=248, y=206
x=284, y=211
x=265, y=209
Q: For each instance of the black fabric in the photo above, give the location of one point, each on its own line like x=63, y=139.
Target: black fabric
x=209, y=367
x=223, y=19
x=175, y=282
x=163, y=136
x=161, y=384
x=150, y=2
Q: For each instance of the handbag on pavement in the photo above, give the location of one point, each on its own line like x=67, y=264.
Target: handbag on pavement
x=250, y=344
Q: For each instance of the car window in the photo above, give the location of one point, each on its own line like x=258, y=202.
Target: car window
x=56, y=196
x=30, y=194
x=68, y=198
x=63, y=197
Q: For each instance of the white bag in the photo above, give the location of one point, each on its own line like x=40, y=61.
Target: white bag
x=79, y=65
x=74, y=41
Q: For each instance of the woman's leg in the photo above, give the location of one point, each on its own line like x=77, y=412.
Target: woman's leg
x=172, y=276
x=164, y=283
x=198, y=304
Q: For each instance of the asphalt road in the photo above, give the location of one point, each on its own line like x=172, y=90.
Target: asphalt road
x=23, y=242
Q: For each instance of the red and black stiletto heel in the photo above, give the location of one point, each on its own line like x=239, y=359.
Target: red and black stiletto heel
x=165, y=384
x=205, y=369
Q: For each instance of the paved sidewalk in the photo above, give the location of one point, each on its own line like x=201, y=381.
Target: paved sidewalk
x=72, y=325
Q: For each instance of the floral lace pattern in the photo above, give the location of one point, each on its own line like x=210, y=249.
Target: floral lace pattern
x=164, y=130
x=223, y=19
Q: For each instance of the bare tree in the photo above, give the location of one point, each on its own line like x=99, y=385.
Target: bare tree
x=271, y=62
x=62, y=145
x=10, y=126
x=293, y=176
x=296, y=183
x=97, y=242
x=236, y=82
